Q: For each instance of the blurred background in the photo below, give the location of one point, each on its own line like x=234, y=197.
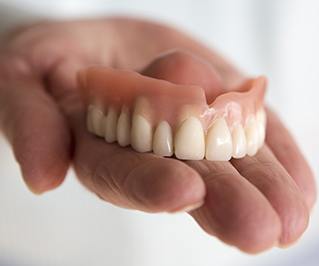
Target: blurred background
x=70, y=226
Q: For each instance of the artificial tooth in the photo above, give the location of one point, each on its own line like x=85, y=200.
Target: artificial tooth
x=261, y=116
x=190, y=140
x=219, y=142
x=141, y=134
x=239, y=142
x=252, y=136
x=261, y=133
x=97, y=121
x=261, y=122
x=163, y=140
x=123, y=128
x=110, y=125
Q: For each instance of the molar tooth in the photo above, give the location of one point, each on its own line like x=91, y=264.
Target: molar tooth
x=110, y=124
x=251, y=132
x=97, y=116
x=123, y=128
x=190, y=140
x=239, y=142
x=219, y=141
x=163, y=140
x=141, y=134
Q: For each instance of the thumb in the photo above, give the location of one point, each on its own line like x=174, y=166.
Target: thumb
x=35, y=128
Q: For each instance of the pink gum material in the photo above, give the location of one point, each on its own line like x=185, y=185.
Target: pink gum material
x=107, y=87
x=236, y=106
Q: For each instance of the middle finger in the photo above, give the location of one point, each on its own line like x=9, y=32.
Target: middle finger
x=269, y=176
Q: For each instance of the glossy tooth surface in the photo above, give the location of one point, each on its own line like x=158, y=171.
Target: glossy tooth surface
x=261, y=116
x=239, y=142
x=261, y=133
x=124, y=128
x=252, y=136
x=219, y=141
x=110, y=124
x=141, y=134
x=189, y=140
x=163, y=139
x=97, y=117
x=261, y=123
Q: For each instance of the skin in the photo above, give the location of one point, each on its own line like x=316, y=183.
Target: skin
x=253, y=203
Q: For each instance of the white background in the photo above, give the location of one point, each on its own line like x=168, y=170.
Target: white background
x=70, y=226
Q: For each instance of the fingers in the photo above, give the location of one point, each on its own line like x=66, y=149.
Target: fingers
x=35, y=128
x=287, y=152
x=234, y=210
x=268, y=175
x=119, y=175
x=135, y=180
x=182, y=67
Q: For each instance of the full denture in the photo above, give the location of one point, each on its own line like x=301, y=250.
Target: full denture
x=154, y=115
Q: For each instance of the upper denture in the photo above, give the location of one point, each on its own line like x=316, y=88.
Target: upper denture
x=155, y=115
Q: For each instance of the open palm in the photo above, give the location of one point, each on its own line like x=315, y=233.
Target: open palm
x=252, y=203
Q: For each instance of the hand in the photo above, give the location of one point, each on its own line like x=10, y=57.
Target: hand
x=252, y=203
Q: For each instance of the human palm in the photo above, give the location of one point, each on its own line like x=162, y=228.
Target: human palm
x=252, y=203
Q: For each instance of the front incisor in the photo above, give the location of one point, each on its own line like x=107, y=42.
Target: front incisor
x=189, y=140
x=163, y=139
x=219, y=141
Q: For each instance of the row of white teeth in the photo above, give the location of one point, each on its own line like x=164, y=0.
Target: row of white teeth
x=190, y=142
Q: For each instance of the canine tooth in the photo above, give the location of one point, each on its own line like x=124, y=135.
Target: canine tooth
x=163, y=140
x=110, y=125
x=141, y=134
x=239, y=142
x=123, y=128
x=190, y=140
x=89, y=118
x=219, y=141
x=251, y=132
x=97, y=121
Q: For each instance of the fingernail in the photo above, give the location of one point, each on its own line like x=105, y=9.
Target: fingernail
x=189, y=208
x=34, y=190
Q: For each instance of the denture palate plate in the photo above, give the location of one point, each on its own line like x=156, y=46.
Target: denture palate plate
x=149, y=114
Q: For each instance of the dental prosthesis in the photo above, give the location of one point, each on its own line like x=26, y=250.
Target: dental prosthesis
x=154, y=115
